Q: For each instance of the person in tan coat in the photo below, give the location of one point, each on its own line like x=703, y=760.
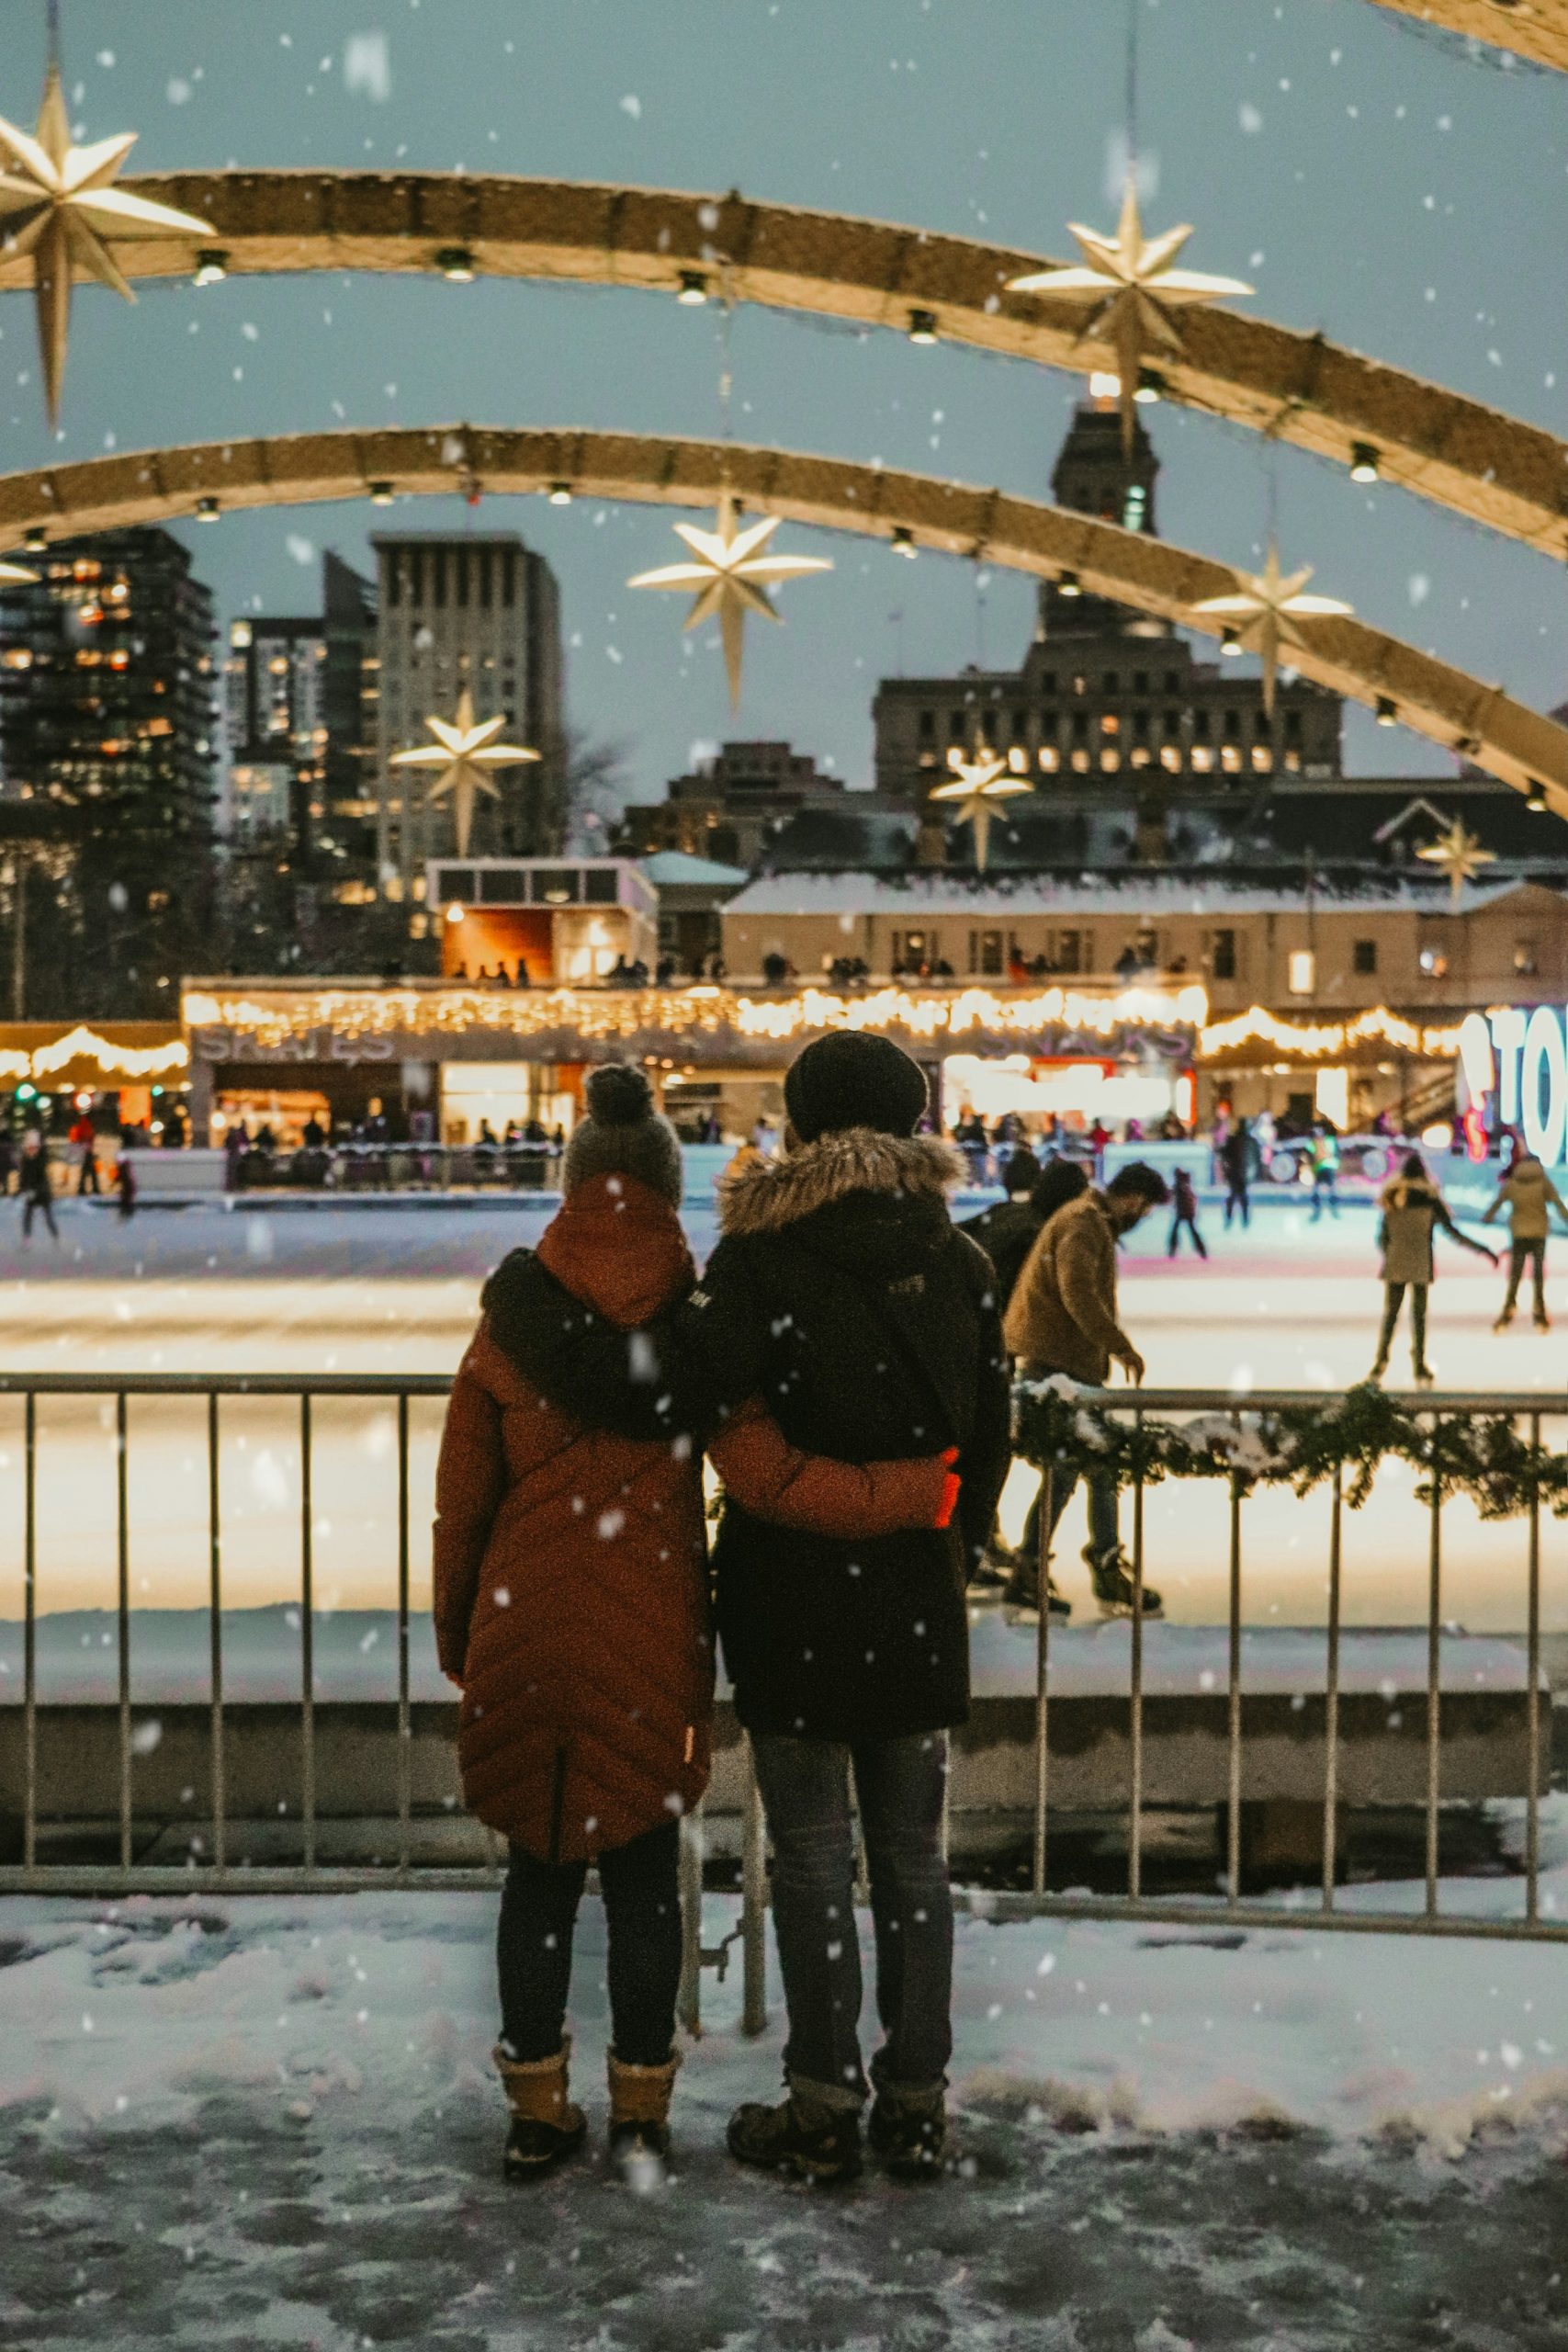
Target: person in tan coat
x=1413, y=1212
x=1528, y=1194
x=570, y=1599
x=1062, y=1320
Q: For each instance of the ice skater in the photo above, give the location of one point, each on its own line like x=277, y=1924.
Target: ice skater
x=34, y=1185
x=1412, y=1208
x=1235, y=1167
x=1184, y=1212
x=1528, y=1194
x=1324, y=1171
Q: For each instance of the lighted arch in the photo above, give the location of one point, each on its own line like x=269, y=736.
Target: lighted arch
x=1536, y=28
x=1021, y=534
x=1492, y=468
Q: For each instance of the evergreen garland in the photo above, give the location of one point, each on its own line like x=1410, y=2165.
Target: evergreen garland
x=1488, y=1456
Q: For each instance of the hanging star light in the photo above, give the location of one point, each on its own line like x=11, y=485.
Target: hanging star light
x=16, y=575
x=978, y=785
x=1136, y=285
x=1266, y=614
x=57, y=205
x=1459, y=854
x=730, y=575
x=463, y=752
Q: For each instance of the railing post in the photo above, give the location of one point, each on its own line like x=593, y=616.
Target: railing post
x=1135, y=1696
x=215, y=1607
x=1233, y=1825
x=1043, y=1677
x=122, y=1529
x=1532, y=1703
x=689, y=2002
x=29, y=1634
x=307, y=1641
x=1434, y=1668
x=1331, y=1691
x=753, y=1903
x=405, y=1723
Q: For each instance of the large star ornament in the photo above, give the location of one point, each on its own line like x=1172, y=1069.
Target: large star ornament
x=56, y=203
x=1460, y=854
x=1135, y=286
x=978, y=785
x=465, y=753
x=1267, y=613
x=730, y=575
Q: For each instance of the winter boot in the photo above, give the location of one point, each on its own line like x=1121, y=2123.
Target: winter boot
x=1542, y=1319
x=544, y=2124
x=1504, y=1319
x=1425, y=1375
x=1113, y=1581
x=908, y=2131
x=807, y=2135
x=639, y=2118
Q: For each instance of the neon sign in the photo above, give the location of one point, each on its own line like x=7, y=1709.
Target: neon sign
x=1518, y=1060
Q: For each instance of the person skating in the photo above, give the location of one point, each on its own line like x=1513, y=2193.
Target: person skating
x=1324, y=1171
x=840, y=1291
x=35, y=1187
x=1235, y=1167
x=1184, y=1213
x=1412, y=1209
x=1063, y=1320
x=1528, y=1194
x=571, y=1604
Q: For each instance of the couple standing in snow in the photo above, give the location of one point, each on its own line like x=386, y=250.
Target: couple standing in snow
x=842, y=1364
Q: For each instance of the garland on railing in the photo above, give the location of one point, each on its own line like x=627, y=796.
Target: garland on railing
x=1485, y=1456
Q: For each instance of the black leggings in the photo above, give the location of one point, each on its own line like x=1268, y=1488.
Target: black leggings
x=1394, y=1299
x=641, y=1885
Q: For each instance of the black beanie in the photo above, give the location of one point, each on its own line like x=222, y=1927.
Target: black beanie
x=848, y=1080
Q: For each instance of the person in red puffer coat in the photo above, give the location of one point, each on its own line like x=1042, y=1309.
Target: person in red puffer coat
x=572, y=1605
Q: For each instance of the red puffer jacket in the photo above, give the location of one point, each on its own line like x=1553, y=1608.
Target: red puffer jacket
x=571, y=1586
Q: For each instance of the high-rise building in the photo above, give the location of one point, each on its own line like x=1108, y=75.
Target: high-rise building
x=1108, y=701
x=107, y=712
x=299, y=721
x=480, y=610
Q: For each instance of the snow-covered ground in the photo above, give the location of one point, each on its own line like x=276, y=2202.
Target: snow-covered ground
x=1287, y=1303
x=256, y=2121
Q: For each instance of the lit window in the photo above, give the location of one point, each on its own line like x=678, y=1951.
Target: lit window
x=1302, y=971
x=1262, y=758
x=1202, y=757
x=1170, y=756
x=1110, y=761
x=1230, y=758
x=1050, y=759
x=1080, y=761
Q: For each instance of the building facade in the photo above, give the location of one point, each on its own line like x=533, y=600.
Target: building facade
x=479, y=610
x=1106, y=699
x=107, y=687
x=732, y=806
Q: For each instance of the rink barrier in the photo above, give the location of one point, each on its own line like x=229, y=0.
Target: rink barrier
x=1036, y=1901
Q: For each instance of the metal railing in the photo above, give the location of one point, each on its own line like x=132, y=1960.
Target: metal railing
x=349, y=1167
x=1037, y=1899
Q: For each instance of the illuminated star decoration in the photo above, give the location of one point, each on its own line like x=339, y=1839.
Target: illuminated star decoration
x=730, y=575
x=1265, y=615
x=463, y=752
x=1138, y=287
x=1459, y=854
x=57, y=205
x=978, y=785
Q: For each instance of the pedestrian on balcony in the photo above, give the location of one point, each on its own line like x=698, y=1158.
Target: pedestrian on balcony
x=35, y=1186
x=1529, y=1196
x=1412, y=1209
x=1062, y=1322
x=571, y=1607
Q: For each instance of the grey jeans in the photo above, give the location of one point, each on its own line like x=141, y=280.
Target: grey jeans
x=899, y=1785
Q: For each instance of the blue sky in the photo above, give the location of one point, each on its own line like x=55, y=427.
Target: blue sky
x=1371, y=180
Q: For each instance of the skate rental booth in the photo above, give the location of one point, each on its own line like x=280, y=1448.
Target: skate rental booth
x=435, y=1055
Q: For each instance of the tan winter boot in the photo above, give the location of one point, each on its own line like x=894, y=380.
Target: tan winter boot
x=640, y=2114
x=544, y=2124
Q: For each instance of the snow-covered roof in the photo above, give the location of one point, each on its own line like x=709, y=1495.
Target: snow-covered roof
x=670, y=869
x=1137, y=896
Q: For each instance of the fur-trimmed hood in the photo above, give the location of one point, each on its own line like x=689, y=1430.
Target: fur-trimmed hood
x=766, y=1197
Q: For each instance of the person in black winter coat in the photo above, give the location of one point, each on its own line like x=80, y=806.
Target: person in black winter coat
x=35, y=1187
x=840, y=1292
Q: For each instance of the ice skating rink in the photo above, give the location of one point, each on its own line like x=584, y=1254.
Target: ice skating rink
x=1285, y=1304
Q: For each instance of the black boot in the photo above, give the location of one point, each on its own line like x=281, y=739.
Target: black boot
x=1024, y=1590
x=805, y=2136
x=1113, y=1581
x=908, y=2131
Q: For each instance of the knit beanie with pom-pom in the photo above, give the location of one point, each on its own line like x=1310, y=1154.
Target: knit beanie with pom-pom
x=622, y=1134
